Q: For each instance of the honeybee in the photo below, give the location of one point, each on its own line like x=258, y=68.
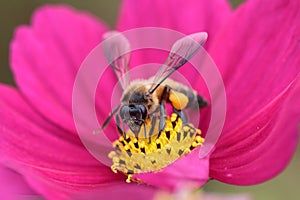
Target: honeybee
x=143, y=101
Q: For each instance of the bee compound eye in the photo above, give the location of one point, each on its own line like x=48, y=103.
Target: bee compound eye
x=143, y=111
x=130, y=112
x=124, y=113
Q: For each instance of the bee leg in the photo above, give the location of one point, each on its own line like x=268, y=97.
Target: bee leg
x=118, y=126
x=153, y=122
x=111, y=114
x=162, y=119
x=162, y=109
x=181, y=114
x=145, y=131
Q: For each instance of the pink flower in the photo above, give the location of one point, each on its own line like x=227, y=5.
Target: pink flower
x=255, y=47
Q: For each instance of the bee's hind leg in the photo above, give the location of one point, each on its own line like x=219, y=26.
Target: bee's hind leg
x=181, y=114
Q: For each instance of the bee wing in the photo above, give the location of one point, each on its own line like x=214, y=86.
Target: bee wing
x=117, y=51
x=182, y=51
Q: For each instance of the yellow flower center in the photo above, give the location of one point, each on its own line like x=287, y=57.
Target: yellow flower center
x=133, y=155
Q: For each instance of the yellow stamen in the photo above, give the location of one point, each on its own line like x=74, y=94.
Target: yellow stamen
x=128, y=180
x=134, y=155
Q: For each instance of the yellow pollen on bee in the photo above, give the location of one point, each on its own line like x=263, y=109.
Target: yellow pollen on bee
x=179, y=100
x=133, y=155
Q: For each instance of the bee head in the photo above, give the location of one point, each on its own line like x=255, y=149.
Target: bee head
x=134, y=116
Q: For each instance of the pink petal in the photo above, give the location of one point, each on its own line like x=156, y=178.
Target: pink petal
x=260, y=148
x=189, y=170
x=13, y=186
x=184, y=16
x=178, y=15
x=53, y=160
x=258, y=66
x=46, y=55
x=188, y=18
x=258, y=63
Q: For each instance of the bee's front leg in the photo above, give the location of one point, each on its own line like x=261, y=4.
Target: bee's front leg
x=117, y=118
x=107, y=120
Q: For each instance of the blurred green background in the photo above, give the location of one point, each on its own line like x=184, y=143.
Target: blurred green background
x=15, y=12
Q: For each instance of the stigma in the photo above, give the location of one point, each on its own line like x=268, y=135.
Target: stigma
x=134, y=155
